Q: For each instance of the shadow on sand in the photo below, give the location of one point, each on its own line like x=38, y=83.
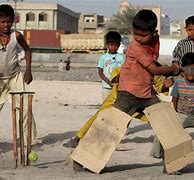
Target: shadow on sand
x=51, y=138
x=188, y=169
x=125, y=167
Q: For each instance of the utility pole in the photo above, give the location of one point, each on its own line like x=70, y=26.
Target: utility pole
x=15, y=9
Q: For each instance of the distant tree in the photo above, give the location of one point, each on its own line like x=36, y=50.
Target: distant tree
x=122, y=22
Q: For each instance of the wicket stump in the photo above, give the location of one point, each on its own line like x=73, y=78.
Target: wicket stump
x=21, y=132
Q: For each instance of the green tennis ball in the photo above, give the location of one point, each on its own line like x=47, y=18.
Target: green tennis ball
x=33, y=156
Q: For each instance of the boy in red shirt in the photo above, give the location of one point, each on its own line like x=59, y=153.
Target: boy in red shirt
x=135, y=90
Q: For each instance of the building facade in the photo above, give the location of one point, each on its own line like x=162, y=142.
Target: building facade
x=177, y=28
x=45, y=16
x=165, y=25
x=91, y=23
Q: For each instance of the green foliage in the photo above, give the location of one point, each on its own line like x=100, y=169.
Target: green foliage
x=122, y=22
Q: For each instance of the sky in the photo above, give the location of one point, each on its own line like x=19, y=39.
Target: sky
x=175, y=9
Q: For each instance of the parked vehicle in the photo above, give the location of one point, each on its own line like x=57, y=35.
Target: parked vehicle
x=88, y=43
x=82, y=43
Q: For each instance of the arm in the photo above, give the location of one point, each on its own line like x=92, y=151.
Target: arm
x=175, y=95
x=162, y=85
x=103, y=77
x=167, y=83
x=162, y=70
x=115, y=75
x=174, y=102
x=28, y=56
x=145, y=58
x=115, y=79
x=177, y=55
x=175, y=63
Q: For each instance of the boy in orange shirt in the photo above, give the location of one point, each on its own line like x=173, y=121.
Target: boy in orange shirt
x=135, y=90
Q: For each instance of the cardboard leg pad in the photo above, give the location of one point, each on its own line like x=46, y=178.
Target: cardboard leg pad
x=175, y=140
x=95, y=149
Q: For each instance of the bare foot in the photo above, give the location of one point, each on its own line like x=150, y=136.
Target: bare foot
x=172, y=173
x=78, y=167
x=72, y=143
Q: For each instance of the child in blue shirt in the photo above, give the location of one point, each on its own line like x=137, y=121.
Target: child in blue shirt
x=109, y=61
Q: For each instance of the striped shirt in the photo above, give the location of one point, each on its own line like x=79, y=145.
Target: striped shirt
x=183, y=46
x=184, y=91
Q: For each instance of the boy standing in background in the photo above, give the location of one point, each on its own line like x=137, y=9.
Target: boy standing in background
x=109, y=61
x=185, y=45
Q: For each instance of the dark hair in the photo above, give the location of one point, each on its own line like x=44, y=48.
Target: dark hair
x=188, y=59
x=112, y=37
x=6, y=11
x=145, y=20
x=189, y=21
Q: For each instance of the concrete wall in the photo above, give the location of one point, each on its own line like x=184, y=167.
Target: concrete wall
x=80, y=60
x=166, y=49
x=55, y=57
x=167, y=46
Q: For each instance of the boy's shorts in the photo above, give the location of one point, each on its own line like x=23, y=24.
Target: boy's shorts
x=130, y=104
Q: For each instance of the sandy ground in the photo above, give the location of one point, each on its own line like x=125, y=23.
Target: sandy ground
x=60, y=109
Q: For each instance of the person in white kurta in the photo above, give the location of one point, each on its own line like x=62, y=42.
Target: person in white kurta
x=11, y=77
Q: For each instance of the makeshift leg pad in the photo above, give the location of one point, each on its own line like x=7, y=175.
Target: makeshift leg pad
x=176, y=141
x=95, y=149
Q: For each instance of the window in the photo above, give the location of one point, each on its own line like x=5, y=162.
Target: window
x=42, y=17
x=30, y=16
x=88, y=19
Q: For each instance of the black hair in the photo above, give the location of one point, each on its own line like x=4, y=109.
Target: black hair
x=145, y=20
x=6, y=11
x=188, y=59
x=112, y=37
x=189, y=21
